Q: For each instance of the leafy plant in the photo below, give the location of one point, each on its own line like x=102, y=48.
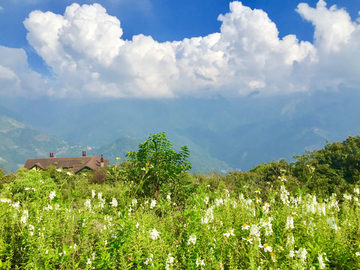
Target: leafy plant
x=156, y=167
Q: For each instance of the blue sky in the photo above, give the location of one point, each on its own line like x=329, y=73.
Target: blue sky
x=238, y=62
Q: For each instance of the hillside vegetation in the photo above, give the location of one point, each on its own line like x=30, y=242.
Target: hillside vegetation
x=150, y=213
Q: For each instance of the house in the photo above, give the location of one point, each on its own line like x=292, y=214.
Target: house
x=76, y=164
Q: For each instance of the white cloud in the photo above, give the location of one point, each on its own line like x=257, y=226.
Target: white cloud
x=1, y=8
x=16, y=76
x=85, y=50
x=337, y=39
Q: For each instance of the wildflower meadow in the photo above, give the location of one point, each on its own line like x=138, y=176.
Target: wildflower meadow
x=151, y=214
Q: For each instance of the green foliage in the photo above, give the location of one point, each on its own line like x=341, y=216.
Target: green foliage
x=334, y=169
x=228, y=223
x=148, y=213
x=156, y=167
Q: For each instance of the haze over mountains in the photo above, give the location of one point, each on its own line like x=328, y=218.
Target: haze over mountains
x=222, y=134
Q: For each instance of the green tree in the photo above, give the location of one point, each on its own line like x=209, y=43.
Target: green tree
x=332, y=168
x=156, y=167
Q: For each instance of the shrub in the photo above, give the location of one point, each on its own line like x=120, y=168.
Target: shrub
x=156, y=167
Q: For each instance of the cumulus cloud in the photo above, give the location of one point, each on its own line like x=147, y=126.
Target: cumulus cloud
x=85, y=49
x=16, y=76
x=337, y=39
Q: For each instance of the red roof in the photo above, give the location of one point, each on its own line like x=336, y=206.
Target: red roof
x=74, y=163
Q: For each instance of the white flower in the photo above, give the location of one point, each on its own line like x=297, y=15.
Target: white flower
x=245, y=227
x=302, y=254
x=290, y=240
x=100, y=195
x=282, y=178
x=257, y=191
x=16, y=205
x=267, y=226
x=114, y=203
x=255, y=231
x=69, y=173
x=137, y=225
x=102, y=203
x=248, y=239
x=347, y=197
x=149, y=259
x=26, y=188
x=322, y=209
x=332, y=223
x=31, y=229
x=168, y=197
x=209, y=216
x=266, y=248
x=25, y=216
x=154, y=234
x=357, y=191
x=321, y=262
x=87, y=204
x=169, y=261
x=153, y=204
x=192, y=239
x=200, y=262
x=206, y=200
x=58, y=170
x=52, y=195
x=284, y=196
x=88, y=261
x=292, y=254
x=219, y=202
x=289, y=223
x=133, y=202
x=105, y=242
x=266, y=207
x=7, y=200
x=229, y=232
x=93, y=193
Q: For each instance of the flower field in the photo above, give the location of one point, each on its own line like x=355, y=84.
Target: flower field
x=57, y=220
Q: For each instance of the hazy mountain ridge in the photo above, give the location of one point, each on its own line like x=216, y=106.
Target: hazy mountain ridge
x=242, y=132
x=19, y=142
x=200, y=162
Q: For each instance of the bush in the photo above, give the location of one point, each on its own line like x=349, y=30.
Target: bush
x=158, y=168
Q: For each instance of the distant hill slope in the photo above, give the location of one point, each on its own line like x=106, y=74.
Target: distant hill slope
x=200, y=162
x=19, y=142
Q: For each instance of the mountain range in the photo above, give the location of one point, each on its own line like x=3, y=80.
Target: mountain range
x=223, y=134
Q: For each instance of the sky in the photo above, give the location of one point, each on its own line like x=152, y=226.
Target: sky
x=169, y=49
